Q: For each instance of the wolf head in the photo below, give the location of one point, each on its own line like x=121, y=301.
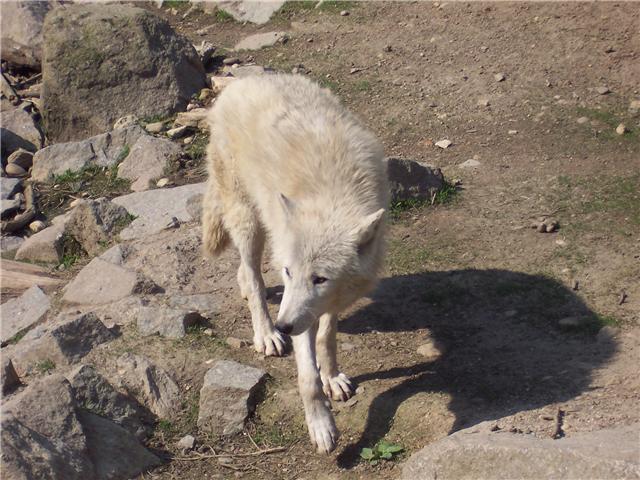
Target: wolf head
x=329, y=259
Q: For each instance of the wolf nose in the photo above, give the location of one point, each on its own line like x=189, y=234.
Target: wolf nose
x=284, y=328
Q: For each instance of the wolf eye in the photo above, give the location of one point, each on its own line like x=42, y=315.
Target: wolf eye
x=286, y=271
x=319, y=280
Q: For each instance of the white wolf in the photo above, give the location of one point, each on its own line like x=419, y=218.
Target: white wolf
x=288, y=162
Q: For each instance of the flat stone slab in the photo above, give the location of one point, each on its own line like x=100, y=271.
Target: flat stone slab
x=260, y=40
x=155, y=209
x=102, y=282
x=604, y=454
x=103, y=150
x=249, y=10
x=23, y=312
x=166, y=322
x=227, y=397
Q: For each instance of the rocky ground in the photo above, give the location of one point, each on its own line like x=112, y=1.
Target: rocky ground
x=508, y=316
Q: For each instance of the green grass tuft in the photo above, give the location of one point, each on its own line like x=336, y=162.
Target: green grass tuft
x=45, y=366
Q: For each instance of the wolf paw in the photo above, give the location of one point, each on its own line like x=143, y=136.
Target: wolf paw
x=338, y=387
x=271, y=344
x=322, y=430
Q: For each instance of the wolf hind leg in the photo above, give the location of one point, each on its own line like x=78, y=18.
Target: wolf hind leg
x=249, y=238
x=334, y=383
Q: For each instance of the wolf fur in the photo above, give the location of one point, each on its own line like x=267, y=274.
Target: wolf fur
x=288, y=162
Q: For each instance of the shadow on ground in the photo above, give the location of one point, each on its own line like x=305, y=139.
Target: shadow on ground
x=505, y=351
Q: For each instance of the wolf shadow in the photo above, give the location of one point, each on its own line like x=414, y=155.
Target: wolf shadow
x=505, y=350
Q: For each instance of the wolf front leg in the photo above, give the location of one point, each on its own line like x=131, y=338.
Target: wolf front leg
x=322, y=428
x=336, y=385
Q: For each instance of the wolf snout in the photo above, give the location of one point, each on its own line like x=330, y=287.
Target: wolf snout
x=285, y=328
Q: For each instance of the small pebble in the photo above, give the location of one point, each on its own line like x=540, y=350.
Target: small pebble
x=444, y=143
x=187, y=442
x=163, y=182
x=188, y=140
x=499, y=77
x=177, y=132
x=582, y=120
x=236, y=342
x=344, y=13
x=37, y=226
x=603, y=90
x=513, y=132
x=208, y=332
x=621, y=129
x=230, y=61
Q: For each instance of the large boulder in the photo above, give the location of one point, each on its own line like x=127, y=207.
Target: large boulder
x=605, y=454
x=47, y=435
x=46, y=245
x=21, y=39
x=102, y=62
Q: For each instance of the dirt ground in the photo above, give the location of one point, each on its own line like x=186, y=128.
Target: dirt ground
x=470, y=276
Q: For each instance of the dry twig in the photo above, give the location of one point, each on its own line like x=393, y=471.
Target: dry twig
x=266, y=451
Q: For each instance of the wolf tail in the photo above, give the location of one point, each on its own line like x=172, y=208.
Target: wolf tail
x=215, y=237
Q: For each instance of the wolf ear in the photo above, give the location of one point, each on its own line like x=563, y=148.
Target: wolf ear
x=368, y=227
x=287, y=205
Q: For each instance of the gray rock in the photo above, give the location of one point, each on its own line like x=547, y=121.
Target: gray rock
x=126, y=121
x=114, y=452
x=248, y=10
x=261, y=40
x=9, y=187
x=46, y=434
x=46, y=245
x=151, y=385
x=21, y=40
x=166, y=322
x=205, y=51
x=412, y=180
x=147, y=160
x=203, y=303
x=10, y=379
x=19, y=131
x=187, y=442
x=94, y=222
x=195, y=118
x=10, y=244
x=499, y=77
x=43, y=436
x=605, y=454
x=14, y=170
x=102, y=282
x=471, y=163
x=194, y=207
x=104, y=150
x=23, y=312
x=603, y=90
x=22, y=158
x=154, y=209
x=248, y=71
x=7, y=207
x=155, y=127
x=101, y=62
x=94, y=393
x=228, y=397
x=177, y=132
x=63, y=341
